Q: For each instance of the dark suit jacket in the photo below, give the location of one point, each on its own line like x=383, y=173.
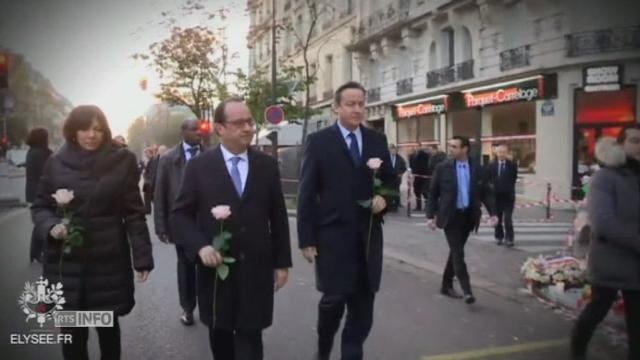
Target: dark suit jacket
x=506, y=182
x=399, y=169
x=168, y=178
x=329, y=216
x=419, y=163
x=36, y=158
x=260, y=242
x=443, y=193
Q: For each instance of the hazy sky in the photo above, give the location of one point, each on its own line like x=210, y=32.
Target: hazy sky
x=84, y=46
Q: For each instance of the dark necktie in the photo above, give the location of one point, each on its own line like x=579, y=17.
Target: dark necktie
x=501, y=169
x=353, y=149
x=192, y=151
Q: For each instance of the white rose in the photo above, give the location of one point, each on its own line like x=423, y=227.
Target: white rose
x=221, y=212
x=63, y=196
x=374, y=163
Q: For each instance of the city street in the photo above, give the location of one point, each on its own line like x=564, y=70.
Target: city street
x=412, y=320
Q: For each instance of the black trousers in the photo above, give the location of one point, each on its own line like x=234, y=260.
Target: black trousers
x=235, y=345
x=186, y=280
x=457, y=232
x=504, y=210
x=109, y=339
x=601, y=300
x=37, y=246
x=147, y=198
x=356, y=328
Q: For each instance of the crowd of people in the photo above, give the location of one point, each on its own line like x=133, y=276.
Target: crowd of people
x=224, y=212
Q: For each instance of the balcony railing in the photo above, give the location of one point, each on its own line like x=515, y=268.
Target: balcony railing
x=396, y=11
x=450, y=74
x=602, y=41
x=373, y=95
x=327, y=94
x=404, y=87
x=514, y=58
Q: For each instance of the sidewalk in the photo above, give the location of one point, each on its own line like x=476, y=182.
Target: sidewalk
x=12, y=182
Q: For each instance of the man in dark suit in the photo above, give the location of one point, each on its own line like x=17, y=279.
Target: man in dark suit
x=168, y=177
x=457, y=189
x=504, y=174
x=419, y=163
x=239, y=308
x=399, y=168
x=333, y=229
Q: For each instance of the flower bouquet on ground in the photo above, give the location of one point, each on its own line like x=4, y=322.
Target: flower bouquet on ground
x=552, y=270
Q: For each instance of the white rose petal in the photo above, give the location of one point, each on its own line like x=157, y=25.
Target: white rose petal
x=221, y=212
x=63, y=196
x=374, y=163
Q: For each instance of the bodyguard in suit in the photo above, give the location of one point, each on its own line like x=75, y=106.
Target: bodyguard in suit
x=457, y=189
x=333, y=227
x=248, y=181
x=503, y=175
x=419, y=163
x=399, y=168
x=168, y=176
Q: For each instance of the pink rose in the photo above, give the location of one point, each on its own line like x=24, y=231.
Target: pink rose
x=221, y=212
x=374, y=163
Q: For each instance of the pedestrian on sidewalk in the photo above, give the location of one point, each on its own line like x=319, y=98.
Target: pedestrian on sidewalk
x=399, y=168
x=168, y=177
x=503, y=174
x=236, y=309
x=39, y=152
x=457, y=190
x=149, y=176
x=96, y=274
x=614, y=252
x=343, y=238
x=419, y=164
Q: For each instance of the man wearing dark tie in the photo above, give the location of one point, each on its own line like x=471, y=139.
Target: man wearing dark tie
x=399, y=168
x=457, y=190
x=238, y=308
x=504, y=174
x=334, y=229
x=168, y=177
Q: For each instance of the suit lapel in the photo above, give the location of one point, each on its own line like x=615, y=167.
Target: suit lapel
x=220, y=167
x=341, y=143
x=251, y=176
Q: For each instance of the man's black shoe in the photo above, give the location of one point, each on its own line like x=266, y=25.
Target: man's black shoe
x=499, y=242
x=509, y=243
x=469, y=299
x=450, y=292
x=186, y=318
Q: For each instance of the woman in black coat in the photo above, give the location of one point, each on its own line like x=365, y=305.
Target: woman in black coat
x=96, y=272
x=38, y=141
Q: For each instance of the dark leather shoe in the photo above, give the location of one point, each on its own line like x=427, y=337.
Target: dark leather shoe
x=509, y=243
x=450, y=292
x=320, y=357
x=499, y=242
x=469, y=299
x=186, y=318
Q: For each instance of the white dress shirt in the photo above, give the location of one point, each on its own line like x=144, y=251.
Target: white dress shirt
x=243, y=164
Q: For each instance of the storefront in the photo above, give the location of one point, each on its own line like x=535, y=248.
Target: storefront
x=503, y=113
x=603, y=107
x=418, y=123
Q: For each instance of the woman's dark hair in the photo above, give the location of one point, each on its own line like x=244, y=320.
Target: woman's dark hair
x=38, y=137
x=81, y=118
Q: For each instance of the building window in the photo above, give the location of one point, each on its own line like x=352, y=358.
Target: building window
x=449, y=45
x=433, y=60
x=467, y=48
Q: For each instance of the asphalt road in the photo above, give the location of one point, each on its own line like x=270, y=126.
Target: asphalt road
x=412, y=321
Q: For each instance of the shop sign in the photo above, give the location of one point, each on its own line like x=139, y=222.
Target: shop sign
x=602, y=78
x=425, y=108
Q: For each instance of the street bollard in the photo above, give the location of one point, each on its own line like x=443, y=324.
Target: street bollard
x=548, y=201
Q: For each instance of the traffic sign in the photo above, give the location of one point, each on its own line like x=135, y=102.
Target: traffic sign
x=274, y=114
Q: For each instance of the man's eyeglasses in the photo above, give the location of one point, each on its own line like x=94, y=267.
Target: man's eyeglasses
x=241, y=123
